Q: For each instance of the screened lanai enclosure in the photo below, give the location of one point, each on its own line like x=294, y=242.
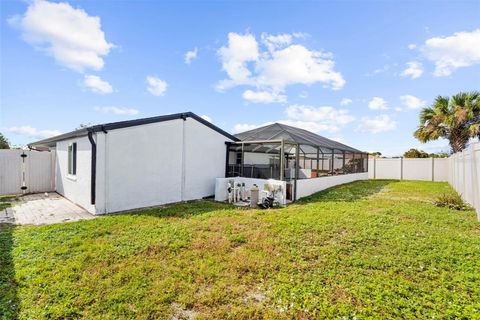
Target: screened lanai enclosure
x=293, y=155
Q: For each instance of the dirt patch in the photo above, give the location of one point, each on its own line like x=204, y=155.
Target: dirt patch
x=180, y=313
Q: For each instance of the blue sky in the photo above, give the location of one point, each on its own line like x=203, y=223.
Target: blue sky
x=356, y=71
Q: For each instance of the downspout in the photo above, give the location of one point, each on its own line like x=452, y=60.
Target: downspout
x=93, y=177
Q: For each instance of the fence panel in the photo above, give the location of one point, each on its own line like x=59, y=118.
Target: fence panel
x=465, y=175
x=35, y=171
x=10, y=171
x=40, y=171
x=441, y=169
x=418, y=169
x=387, y=169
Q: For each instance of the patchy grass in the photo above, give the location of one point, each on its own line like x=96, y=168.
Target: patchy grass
x=373, y=249
x=6, y=201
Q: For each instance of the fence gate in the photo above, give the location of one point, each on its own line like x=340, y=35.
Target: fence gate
x=26, y=171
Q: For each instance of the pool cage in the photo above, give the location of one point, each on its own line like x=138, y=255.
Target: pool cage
x=290, y=160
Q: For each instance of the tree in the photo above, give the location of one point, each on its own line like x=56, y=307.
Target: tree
x=414, y=153
x=4, y=144
x=375, y=154
x=439, y=155
x=456, y=119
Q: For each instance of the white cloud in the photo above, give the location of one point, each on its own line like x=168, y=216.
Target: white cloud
x=345, y=101
x=412, y=46
x=414, y=70
x=377, y=103
x=191, y=55
x=377, y=124
x=273, y=42
x=117, y=110
x=296, y=64
x=281, y=63
x=315, y=119
x=205, y=117
x=156, y=86
x=462, y=49
x=412, y=102
x=338, y=139
x=97, y=85
x=263, y=96
x=31, y=132
x=72, y=37
x=326, y=115
x=242, y=127
x=240, y=50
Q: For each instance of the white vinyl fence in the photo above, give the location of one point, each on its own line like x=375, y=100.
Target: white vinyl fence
x=461, y=170
x=429, y=169
x=464, y=174
x=26, y=171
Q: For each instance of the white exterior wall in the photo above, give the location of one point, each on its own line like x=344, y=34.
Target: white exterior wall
x=306, y=187
x=205, y=153
x=158, y=163
x=75, y=188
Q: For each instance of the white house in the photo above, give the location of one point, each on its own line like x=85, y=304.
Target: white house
x=153, y=161
x=139, y=163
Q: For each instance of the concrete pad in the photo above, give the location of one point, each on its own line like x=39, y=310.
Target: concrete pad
x=43, y=208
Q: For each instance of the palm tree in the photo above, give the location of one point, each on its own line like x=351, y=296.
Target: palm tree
x=456, y=119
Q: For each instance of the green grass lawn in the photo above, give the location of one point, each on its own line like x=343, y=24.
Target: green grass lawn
x=372, y=249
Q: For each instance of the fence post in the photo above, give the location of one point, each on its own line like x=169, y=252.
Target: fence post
x=374, y=167
x=433, y=169
x=475, y=181
x=464, y=165
x=401, y=168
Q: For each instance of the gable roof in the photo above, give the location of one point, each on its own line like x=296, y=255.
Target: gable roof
x=277, y=131
x=129, y=123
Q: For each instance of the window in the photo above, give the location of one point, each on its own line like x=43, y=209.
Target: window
x=72, y=158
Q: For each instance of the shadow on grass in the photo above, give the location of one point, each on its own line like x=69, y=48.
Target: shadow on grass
x=349, y=192
x=181, y=210
x=9, y=304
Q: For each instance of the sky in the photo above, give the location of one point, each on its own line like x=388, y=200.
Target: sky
x=358, y=72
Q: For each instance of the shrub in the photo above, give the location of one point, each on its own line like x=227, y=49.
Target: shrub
x=451, y=201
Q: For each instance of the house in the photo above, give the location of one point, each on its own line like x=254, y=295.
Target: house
x=179, y=157
x=139, y=163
